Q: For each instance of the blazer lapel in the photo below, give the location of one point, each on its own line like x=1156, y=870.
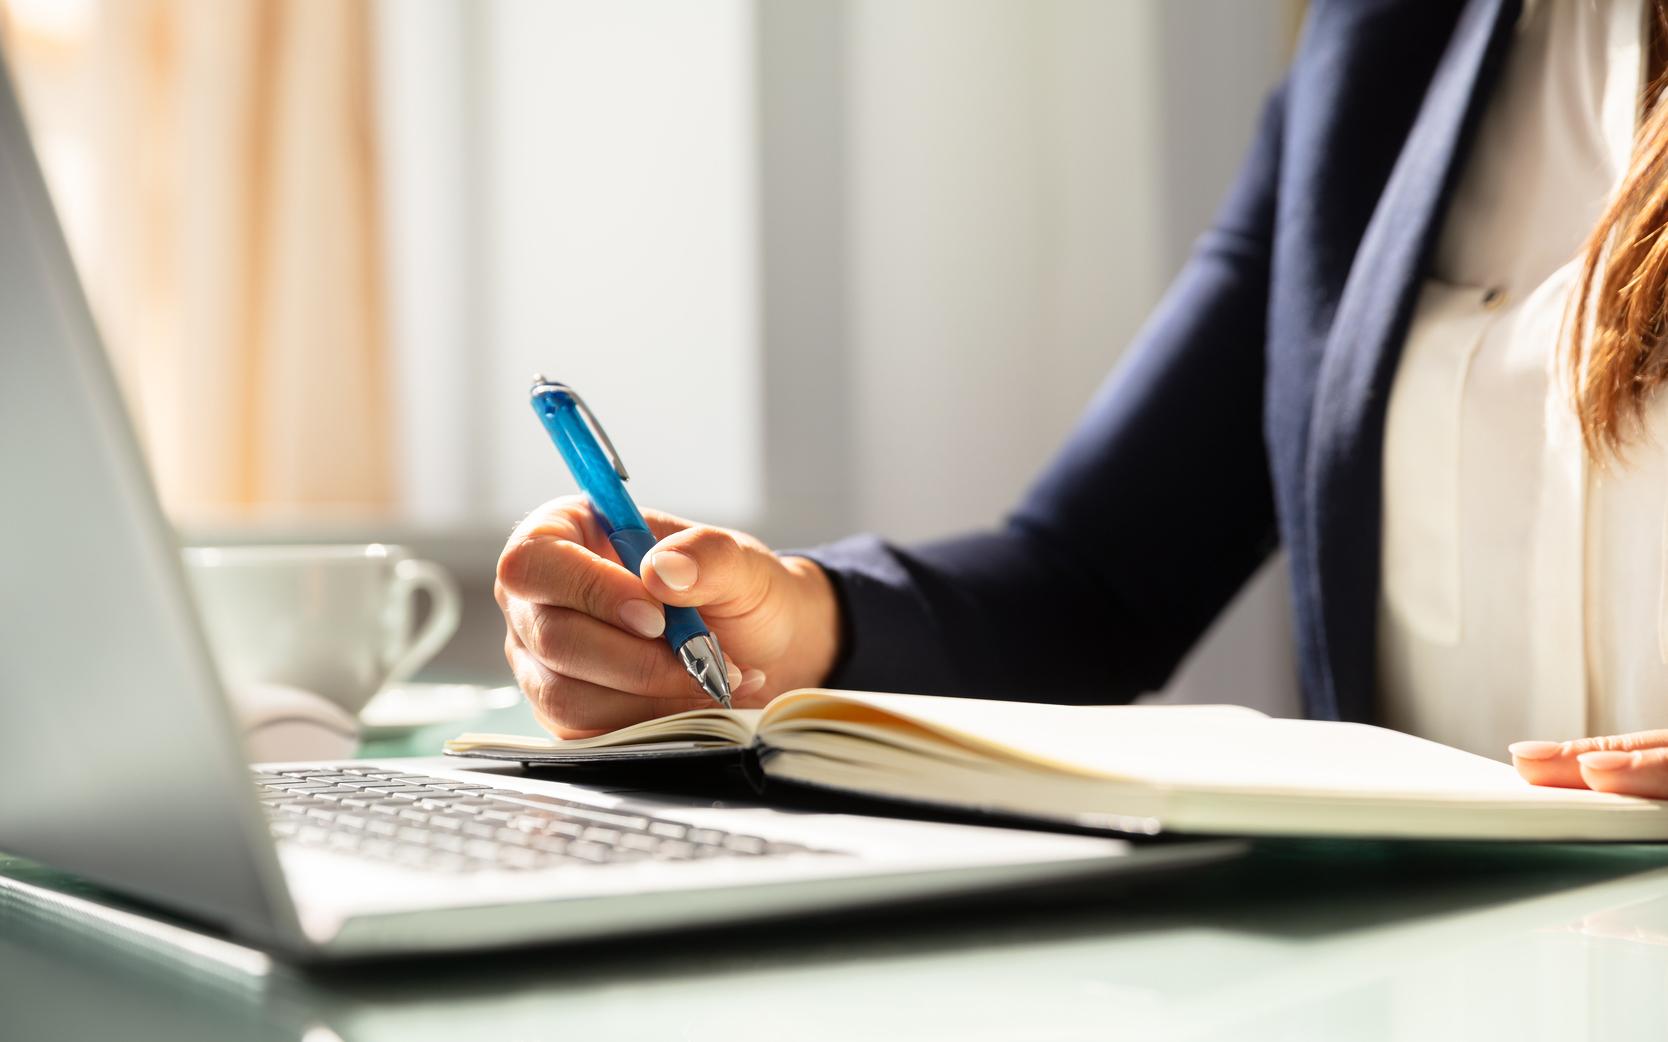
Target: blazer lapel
x=1346, y=427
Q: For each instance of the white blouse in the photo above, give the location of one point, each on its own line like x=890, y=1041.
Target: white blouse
x=1524, y=589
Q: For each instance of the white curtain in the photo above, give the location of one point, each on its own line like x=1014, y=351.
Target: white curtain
x=214, y=161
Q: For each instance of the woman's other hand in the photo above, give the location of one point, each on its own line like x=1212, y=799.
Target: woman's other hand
x=1633, y=764
x=585, y=635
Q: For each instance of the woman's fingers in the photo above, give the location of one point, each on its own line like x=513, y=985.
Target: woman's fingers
x=572, y=708
x=559, y=572
x=1545, y=763
x=1640, y=773
x=559, y=555
x=1617, y=760
x=576, y=645
x=565, y=517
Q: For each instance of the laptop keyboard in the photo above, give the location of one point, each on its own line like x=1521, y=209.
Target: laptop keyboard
x=421, y=821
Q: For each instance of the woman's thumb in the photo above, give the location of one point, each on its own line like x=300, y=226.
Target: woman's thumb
x=703, y=565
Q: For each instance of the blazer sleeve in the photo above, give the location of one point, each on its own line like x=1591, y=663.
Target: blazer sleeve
x=1150, y=518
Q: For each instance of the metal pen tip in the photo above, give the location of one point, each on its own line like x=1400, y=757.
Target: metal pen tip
x=705, y=663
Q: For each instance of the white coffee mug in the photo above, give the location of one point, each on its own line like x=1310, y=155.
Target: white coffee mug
x=333, y=620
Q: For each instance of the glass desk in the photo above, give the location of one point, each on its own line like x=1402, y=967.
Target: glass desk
x=1334, y=941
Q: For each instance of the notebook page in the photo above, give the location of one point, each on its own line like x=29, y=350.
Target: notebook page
x=725, y=725
x=1213, y=747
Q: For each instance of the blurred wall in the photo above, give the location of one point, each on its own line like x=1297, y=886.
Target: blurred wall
x=1017, y=182
x=1007, y=234
x=572, y=190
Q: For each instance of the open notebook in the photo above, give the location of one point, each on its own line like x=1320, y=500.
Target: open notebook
x=1190, y=769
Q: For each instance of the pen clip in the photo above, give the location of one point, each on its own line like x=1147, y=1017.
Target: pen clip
x=543, y=386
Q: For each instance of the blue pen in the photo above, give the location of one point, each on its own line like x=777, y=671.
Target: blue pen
x=602, y=478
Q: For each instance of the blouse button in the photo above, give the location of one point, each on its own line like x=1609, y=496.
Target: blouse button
x=1494, y=298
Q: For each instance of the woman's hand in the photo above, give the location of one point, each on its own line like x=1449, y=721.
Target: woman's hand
x=1634, y=764
x=584, y=634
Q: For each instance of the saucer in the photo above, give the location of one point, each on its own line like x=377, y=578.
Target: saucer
x=401, y=708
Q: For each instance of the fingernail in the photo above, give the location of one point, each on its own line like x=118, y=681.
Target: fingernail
x=1606, y=761
x=675, y=570
x=1535, y=750
x=734, y=676
x=751, y=681
x=643, y=618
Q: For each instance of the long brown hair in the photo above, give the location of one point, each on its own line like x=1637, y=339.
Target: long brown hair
x=1617, y=322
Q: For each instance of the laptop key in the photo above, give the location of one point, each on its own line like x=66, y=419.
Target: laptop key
x=589, y=851
x=674, y=850
x=570, y=829
x=473, y=806
x=549, y=844
x=334, y=795
x=481, y=848
x=447, y=841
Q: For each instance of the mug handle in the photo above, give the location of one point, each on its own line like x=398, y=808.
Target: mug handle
x=445, y=612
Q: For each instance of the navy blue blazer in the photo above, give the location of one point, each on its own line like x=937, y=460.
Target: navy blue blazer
x=1249, y=413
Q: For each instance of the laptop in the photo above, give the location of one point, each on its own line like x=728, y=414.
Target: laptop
x=121, y=764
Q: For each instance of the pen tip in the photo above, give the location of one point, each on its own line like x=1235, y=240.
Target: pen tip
x=716, y=685
x=705, y=663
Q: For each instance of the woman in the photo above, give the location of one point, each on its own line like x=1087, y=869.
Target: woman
x=1419, y=348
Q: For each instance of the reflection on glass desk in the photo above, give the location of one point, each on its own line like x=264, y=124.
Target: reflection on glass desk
x=1311, y=941
x=1333, y=941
